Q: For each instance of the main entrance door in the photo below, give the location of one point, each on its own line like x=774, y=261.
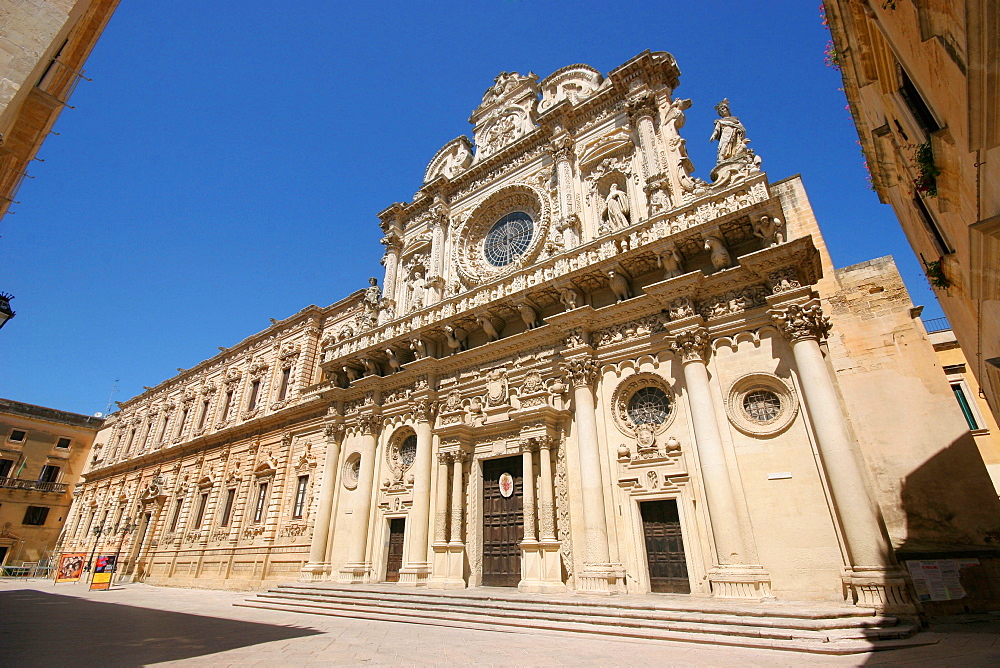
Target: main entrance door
x=397, y=529
x=503, y=522
x=661, y=526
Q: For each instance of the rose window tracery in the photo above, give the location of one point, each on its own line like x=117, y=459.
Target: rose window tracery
x=761, y=405
x=643, y=402
x=508, y=239
x=649, y=405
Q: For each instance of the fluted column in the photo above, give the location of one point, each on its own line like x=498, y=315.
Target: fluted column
x=357, y=569
x=417, y=568
x=528, y=487
x=599, y=575
x=441, y=506
x=875, y=580
x=546, y=496
x=318, y=557
x=457, y=499
x=641, y=111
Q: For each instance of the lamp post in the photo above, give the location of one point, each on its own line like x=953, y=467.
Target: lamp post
x=97, y=531
x=125, y=529
x=6, y=313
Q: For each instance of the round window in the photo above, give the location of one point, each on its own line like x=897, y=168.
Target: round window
x=508, y=239
x=761, y=405
x=649, y=405
x=352, y=470
x=408, y=450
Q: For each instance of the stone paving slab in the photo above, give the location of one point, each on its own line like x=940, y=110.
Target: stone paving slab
x=133, y=625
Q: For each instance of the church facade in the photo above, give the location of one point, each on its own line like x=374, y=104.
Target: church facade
x=585, y=370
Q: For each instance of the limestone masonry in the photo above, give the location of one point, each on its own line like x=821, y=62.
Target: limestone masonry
x=585, y=370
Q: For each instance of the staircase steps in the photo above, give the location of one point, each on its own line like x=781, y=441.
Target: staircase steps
x=820, y=629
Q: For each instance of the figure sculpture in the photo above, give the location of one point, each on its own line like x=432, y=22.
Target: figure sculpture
x=569, y=297
x=393, y=360
x=672, y=263
x=616, y=208
x=528, y=315
x=730, y=134
x=487, y=324
x=418, y=347
x=451, y=338
x=769, y=230
x=619, y=285
x=718, y=252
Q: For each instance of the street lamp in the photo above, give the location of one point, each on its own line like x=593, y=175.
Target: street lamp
x=6, y=313
x=125, y=529
x=98, y=530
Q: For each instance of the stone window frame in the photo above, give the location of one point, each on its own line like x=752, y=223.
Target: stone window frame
x=395, y=443
x=627, y=388
x=350, y=479
x=752, y=382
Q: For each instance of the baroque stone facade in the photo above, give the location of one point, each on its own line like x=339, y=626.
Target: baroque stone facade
x=585, y=370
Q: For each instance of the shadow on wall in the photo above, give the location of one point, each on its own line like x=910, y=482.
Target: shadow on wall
x=42, y=629
x=952, y=512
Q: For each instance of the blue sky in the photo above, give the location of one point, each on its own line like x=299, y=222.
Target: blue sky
x=227, y=162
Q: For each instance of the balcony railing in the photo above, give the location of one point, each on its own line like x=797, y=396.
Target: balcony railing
x=59, y=81
x=33, y=485
x=936, y=325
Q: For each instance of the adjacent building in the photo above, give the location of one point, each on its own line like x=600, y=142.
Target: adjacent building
x=923, y=85
x=585, y=370
x=42, y=454
x=43, y=47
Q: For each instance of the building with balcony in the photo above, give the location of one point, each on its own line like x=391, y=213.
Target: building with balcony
x=923, y=85
x=585, y=370
x=45, y=45
x=42, y=454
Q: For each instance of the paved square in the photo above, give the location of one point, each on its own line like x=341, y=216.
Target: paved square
x=134, y=625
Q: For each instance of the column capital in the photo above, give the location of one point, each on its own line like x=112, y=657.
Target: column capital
x=424, y=410
x=581, y=372
x=691, y=345
x=370, y=423
x=529, y=444
x=444, y=458
x=561, y=147
x=334, y=431
x=798, y=322
x=640, y=106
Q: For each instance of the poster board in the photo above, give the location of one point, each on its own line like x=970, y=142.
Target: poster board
x=939, y=579
x=104, y=570
x=70, y=567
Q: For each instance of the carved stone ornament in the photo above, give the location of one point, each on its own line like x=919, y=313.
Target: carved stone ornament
x=761, y=404
x=496, y=387
x=471, y=262
x=453, y=159
x=574, y=83
x=623, y=399
x=424, y=410
x=506, y=113
x=401, y=452
x=692, y=345
x=369, y=423
x=352, y=470
x=582, y=372
x=797, y=322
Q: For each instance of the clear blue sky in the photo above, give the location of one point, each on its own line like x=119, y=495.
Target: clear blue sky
x=227, y=162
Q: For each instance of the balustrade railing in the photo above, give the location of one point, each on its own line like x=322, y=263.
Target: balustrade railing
x=33, y=485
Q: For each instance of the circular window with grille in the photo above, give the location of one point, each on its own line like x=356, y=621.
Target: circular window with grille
x=643, y=399
x=761, y=404
x=402, y=450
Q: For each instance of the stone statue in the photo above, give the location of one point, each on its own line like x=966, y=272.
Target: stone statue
x=769, y=230
x=730, y=134
x=619, y=285
x=371, y=303
x=718, y=252
x=528, y=315
x=569, y=297
x=616, y=208
x=417, y=286
x=418, y=347
x=672, y=263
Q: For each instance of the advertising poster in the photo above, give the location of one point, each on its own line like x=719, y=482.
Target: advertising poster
x=939, y=579
x=104, y=569
x=70, y=567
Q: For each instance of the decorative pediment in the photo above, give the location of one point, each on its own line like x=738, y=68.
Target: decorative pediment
x=507, y=113
x=453, y=159
x=573, y=83
x=618, y=141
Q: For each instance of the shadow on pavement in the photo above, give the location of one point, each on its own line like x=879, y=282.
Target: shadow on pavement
x=48, y=629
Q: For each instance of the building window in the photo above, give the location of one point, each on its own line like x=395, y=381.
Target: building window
x=300, y=497
x=915, y=102
x=184, y=417
x=128, y=444
x=49, y=473
x=761, y=405
x=254, y=391
x=163, y=430
x=202, y=502
x=227, y=402
x=35, y=516
x=177, y=515
x=5, y=466
x=204, y=414
x=63, y=443
x=649, y=405
x=228, y=509
x=963, y=403
x=286, y=375
x=17, y=436
x=261, y=502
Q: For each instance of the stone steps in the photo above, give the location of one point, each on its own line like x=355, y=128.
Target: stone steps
x=828, y=630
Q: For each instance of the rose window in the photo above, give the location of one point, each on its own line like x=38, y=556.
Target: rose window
x=649, y=405
x=408, y=450
x=761, y=405
x=508, y=239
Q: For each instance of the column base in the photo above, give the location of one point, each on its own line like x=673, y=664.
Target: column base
x=885, y=589
x=448, y=571
x=314, y=571
x=541, y=567
x=741, y=581
x=355, y=574
x=416, y=575
x=601, y=579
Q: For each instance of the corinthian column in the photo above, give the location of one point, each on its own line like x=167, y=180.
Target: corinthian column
x=641, y=111
x=357, y=568
x=390, y=261
x=319, y=562
x=874, y=578
x=562, y=158
x=528, y=488
x=417, y=567
x=599, y=575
